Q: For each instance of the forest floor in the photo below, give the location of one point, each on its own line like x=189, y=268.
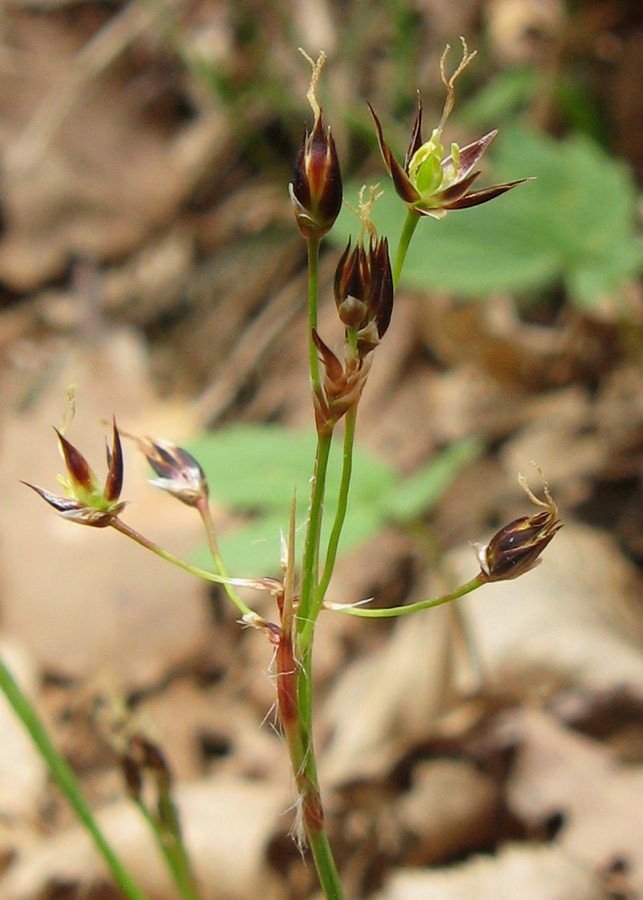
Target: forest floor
x=149, y=258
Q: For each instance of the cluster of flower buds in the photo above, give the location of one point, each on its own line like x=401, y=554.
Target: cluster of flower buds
x=86, y=501
x=516, y=548
x=363, y=291
x=429, y=182
x=316, y=188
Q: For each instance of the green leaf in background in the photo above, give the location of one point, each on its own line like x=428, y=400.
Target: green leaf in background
x=500, y=98
x=257, y=467
x=576, y=224
x=254, y=469
x=411, y=497
x=511, y=92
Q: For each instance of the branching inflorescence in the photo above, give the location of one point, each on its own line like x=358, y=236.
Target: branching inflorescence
x=430, y=183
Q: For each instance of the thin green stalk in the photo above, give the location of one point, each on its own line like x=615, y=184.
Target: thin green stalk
x=304, y=768
x=293, y=693
x=311, y=549
x=312, y=245
x=310, y=567
x=67, y=782
x=206, y=517
x=395, y=611
x=175, y=850
x=139, y=538
x=295, y=662
x=408, y=229
x=170, y=844
x=313, y=820
x=338, y=524
x=325, y=865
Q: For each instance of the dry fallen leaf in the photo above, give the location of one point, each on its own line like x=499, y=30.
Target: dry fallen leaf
x=530, y=873
x=227, y=825
x=574, y=620
x=561, y=771
x=387, y=701
x=220, y=723
x=450, y=808
x=86, y=168
x=23, y=774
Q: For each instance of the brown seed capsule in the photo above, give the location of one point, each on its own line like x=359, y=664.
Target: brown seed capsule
x=516, y=548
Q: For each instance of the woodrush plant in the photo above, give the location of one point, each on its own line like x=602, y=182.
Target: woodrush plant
x=430, y=183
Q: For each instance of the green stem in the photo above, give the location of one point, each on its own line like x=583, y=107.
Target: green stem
x=206, y=517
x=310, y=566
x=338, y=524
x=311, y=548
x=296, y=677
x=312, y=245
x=67, y=782
x=395, y=611
x=119, y=525
x=170, y=844
x=408, y=229
x=176, y=854
x=325, y=865
x=305, y=700
x=304, y=767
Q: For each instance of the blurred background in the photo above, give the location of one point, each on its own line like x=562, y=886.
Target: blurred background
x=150, y=261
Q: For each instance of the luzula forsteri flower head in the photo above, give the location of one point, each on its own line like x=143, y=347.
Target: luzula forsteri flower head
x=429, y=182
x=363, y=290
x=517, y=547
x=87, y=501
x=178, y=472
x=316, y=187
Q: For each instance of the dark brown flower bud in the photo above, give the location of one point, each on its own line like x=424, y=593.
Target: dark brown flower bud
x=363, y=290
x=316, y=188
x=516, y=548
